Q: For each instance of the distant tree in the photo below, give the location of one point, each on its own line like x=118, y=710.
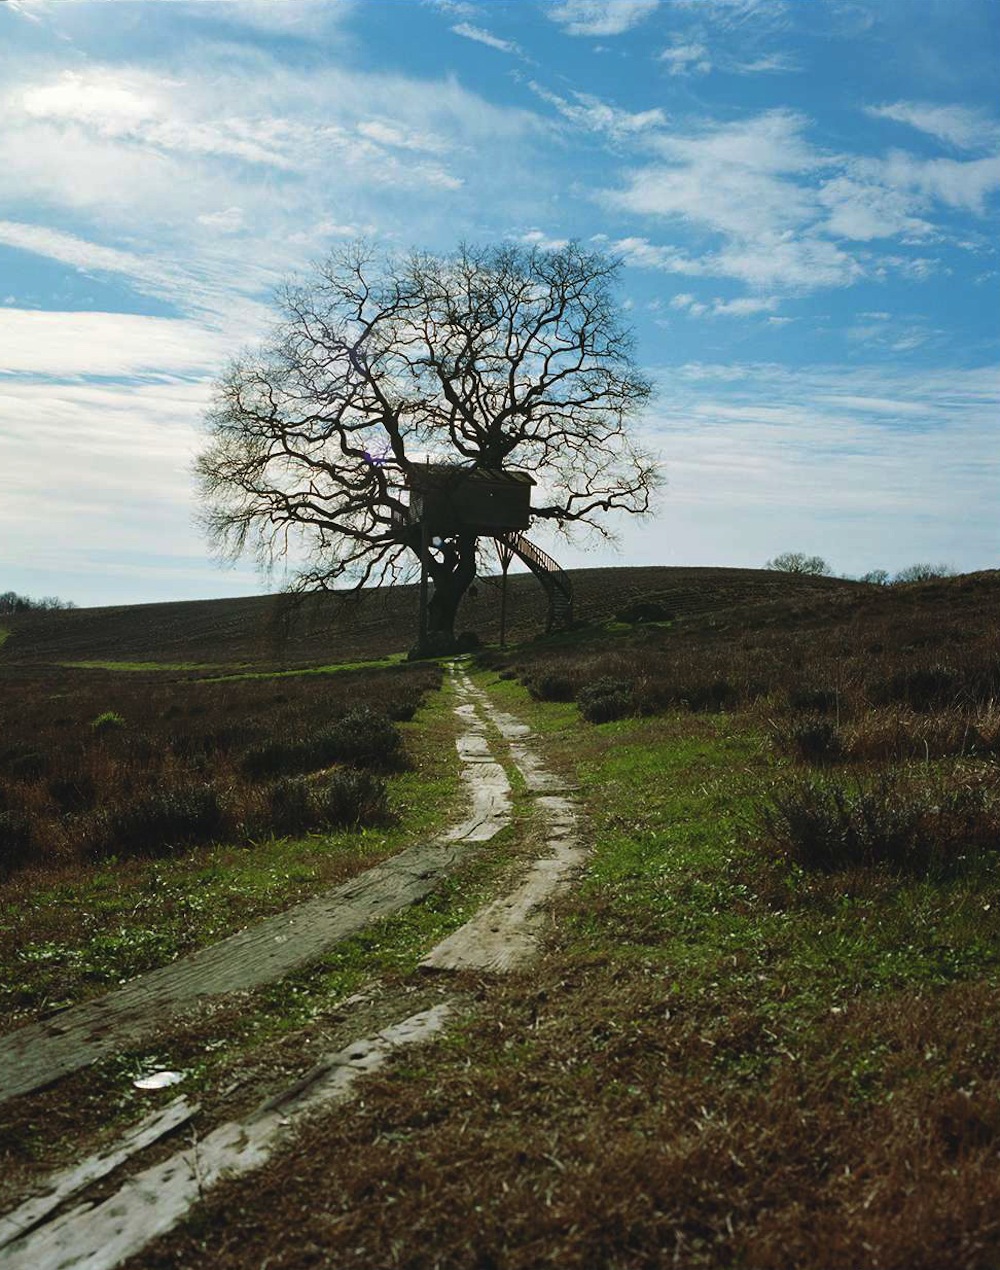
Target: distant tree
x=797, y=562
x=11, y=602
x=924, y=572
x=877, y=577
x=489, y=358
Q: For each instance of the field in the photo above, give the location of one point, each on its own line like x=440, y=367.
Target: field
x=762, y=1027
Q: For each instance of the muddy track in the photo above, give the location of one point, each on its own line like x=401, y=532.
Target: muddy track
x=41, y=1233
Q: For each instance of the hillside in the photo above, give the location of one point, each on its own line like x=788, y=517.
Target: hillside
x=263, y=630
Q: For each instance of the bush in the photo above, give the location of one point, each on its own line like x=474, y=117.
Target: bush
x=552, y=687
x=160, y=823
x=605, y=699
x=290, y=807
x=352, y=798
x=712, y=697
x=109, y=721
x=811, y=741
x=925, y=688
x=362, y=737
x=644, y=611
x=74, y=793
x=347, y=797
x=891, y=824
x=16, y=843
x=23, y=762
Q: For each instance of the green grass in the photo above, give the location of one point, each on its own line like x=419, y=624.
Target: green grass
x=394, y=659
x=73, y=935
x=128, y=666
x=4, y=635
x=681, y=885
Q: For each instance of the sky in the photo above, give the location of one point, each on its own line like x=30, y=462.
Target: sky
x=804, y=195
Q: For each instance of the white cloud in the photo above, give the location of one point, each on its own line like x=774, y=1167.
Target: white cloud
x=687, y=59
x=600, y=17
x=735, y=178
x=228, y=221
x=865, y=210
x=537, y=238
x=825, y=444
x=741, y=306
x=594, y=115
x=97, y=478
x=482, y=36
x=956, y=125
x=106, y=344
x=784, y=260
x=963, y=185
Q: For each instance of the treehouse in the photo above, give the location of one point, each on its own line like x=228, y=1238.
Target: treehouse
x=447, y=500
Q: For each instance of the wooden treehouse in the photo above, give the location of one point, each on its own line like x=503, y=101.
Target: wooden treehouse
x=446, y=500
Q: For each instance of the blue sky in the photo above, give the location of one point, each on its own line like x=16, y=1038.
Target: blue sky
x=805, y=194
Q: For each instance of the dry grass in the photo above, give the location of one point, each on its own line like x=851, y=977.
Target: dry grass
x=586, y=1118
x=96, y=764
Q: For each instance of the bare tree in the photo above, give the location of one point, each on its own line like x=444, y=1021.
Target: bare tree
x=490, y=358
x=798, y=562
x=924, y=573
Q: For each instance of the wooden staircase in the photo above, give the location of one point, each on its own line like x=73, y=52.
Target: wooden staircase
x=554, y=580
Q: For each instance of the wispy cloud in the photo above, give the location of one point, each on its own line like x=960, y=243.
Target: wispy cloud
x=481, y=36
x=739, y=307
x=687, y=59
x=601, y=17
x=594, y=115
x=66, y=345
x=955, y=125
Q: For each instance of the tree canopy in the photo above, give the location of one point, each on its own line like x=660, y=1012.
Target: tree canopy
x=497, y=357
x=799, y=562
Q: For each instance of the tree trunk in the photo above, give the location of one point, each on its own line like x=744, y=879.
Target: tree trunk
x=452, y=568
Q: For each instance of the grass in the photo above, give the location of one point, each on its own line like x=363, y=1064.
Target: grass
x=729, y=1052
x=375, y=663
x=138, y=665
x=70, y=933
x=723, y=1058
x=99, y=763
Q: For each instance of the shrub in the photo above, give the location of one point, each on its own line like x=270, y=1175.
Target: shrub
x=23, y=762
x=712, y=697
x=16, y=842
x=109, y=721
x=549, y=686
x=160, y=823
x=924, y=688
x=347, y=797
x=890, y=823
x=74, y=793
x=644, y=611
x=362, y=737
x=811, y=741
x=352, y=798
x=605, y=699
x=290, y=807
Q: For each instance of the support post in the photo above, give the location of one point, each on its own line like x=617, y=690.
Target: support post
x=424, y=549
x=506, y=556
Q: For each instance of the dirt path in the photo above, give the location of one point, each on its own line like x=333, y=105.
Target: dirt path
x=41, y=1233
x=40, y=1053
